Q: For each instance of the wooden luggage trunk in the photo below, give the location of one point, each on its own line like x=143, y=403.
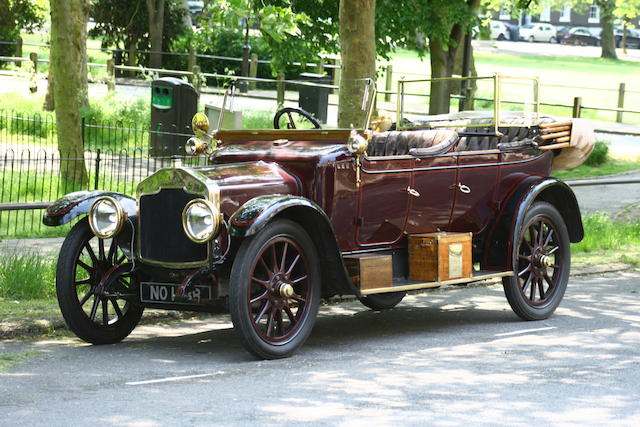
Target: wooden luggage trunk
x=370, y=271
x=436, y=257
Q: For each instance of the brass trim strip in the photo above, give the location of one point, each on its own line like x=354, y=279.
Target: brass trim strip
x=426, y=285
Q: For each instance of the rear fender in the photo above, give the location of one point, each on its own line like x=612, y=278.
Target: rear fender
x=498, y=247
x=78, y=203
x=254, y=215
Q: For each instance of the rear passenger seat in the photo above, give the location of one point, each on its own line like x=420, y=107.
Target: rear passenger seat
x=441, y=140
x=403, y=142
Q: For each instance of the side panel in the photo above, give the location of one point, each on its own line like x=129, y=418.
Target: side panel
x=78, y=203
x=475, y=197
x=434, y=179
x=384, y=200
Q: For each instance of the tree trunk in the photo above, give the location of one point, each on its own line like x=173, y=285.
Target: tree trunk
x=69, y=69
x=442, y=62
x=471, y=86
x=132, y=53
x=608, y=40
x=156, y=28
x=442, y=58
x=49, y=99
x=358, y=56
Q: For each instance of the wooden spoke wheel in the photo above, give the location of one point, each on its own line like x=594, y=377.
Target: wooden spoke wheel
x=541, y=261
x=97, y=297
x=275, y=290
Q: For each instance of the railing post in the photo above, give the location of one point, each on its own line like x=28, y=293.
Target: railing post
x=191, y=62
x=536, y=92
x=577, y=107
x=33, y=56
x=320, y=67
x=196, y=78
x=19, y=50
x=280, y=89
x=111, y=75
x=388, y=83
x=97, y=177
x=620, y=102
x=82, y=128
x=253, y=70
x=33, y=80
x=337, y=72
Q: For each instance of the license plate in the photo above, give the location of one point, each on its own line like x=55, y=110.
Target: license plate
x=166, y=293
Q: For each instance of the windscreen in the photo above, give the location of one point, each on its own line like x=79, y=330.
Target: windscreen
x=310, y=102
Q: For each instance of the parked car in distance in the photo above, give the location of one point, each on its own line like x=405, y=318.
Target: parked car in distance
x=580, y=36
x=562, y=32
x=499, y=31
x=538, y=32
x=514, y=31
x=633, y=38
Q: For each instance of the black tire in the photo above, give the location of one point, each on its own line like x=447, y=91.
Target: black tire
x=379, y=302
x=271, y=324
x=501, y=37
x=553, y=40
x=542, y=260
x=81, y=268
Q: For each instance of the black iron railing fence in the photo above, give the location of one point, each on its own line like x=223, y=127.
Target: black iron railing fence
x=34, y=172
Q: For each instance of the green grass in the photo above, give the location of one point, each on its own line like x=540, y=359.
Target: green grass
x=610, y=167
x=603, y=233
x=599, y=163
x=44, y=187
x=27, y=276
x=94, y=55
x=112, y=123
x=563, y=71
x=257, y=119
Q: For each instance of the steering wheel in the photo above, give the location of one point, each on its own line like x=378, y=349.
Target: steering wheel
x=291, y=124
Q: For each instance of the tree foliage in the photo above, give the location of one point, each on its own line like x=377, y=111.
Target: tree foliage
x=278, y=25
x=124, y=24
x=19, y=15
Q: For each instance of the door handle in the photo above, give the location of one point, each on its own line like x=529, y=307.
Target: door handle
x=463, y=188
x=412, y=192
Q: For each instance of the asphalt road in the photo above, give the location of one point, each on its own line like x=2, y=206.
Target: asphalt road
x=610, y=198
x=448, y=357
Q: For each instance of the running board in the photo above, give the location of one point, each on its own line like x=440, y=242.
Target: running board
x=407, y=285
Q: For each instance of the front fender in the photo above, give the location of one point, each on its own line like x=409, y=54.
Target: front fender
x=254, y=215
x=498, y=248
x=78, y=203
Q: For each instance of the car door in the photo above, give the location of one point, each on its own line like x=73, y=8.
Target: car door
x=475, y=187
x=434, y=185
x=383, y=199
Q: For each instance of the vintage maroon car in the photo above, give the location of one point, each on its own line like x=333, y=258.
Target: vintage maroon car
x=280, y=219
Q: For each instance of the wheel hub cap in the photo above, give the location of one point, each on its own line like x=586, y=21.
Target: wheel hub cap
x=545, y=261
x=286, y=290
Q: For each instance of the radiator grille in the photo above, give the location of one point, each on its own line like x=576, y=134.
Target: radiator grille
x=162, y=238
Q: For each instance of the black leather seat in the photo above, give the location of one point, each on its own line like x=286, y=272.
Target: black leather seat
x=396, y=143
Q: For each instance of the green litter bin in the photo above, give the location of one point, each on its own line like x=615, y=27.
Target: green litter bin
x=173, y=104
